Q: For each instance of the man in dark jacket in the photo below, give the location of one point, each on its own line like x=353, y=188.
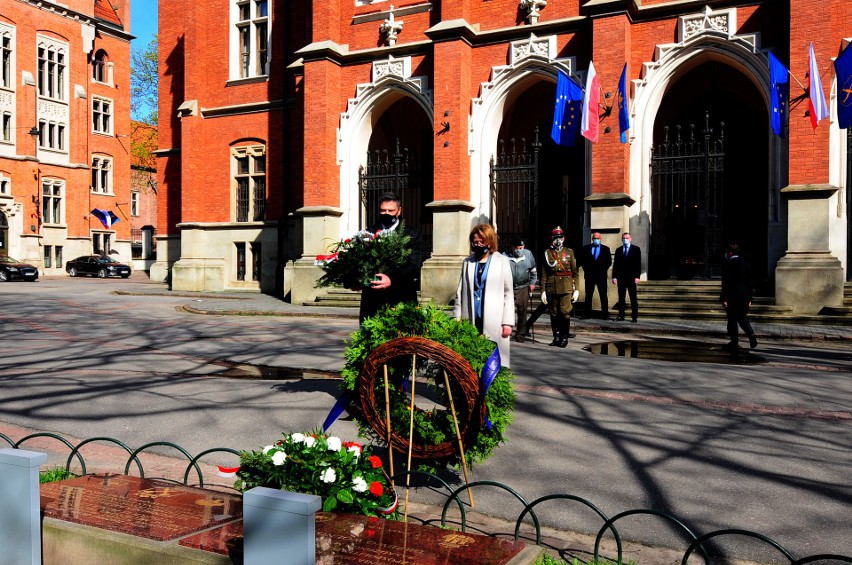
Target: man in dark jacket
x=399, y=285
x=737, y=295
x=625, y=274
x=595, y=260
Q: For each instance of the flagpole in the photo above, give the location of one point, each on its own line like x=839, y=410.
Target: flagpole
x=388, y=419
x=458, y=435
x=789, y=72
x=410, y=433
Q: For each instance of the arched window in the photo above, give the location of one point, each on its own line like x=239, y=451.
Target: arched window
x=99, y=63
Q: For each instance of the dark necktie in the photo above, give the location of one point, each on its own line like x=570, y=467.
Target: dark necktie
x=595, y=252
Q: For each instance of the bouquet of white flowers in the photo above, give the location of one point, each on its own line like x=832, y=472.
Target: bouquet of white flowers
x=354, y=262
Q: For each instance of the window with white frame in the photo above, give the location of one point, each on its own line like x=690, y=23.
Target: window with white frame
x=134, y=203
x=101, y=174
x=5, y=184
x=51, y=135
x=101, y=243
x=101, y=115
x=51, y=68
x=6, y=43
x=51, y=201
x=251, y=38
x=7, y=127
x=249, y=186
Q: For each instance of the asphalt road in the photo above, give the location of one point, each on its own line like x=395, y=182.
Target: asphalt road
x=764, y=447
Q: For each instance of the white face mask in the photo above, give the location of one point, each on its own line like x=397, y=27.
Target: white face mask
x=557, y=242
x=596, y=242
x=625, y=241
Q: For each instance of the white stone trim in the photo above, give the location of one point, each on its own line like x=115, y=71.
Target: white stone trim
x=391, y=80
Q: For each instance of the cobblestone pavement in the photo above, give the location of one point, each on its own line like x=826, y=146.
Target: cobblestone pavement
x=762, y=447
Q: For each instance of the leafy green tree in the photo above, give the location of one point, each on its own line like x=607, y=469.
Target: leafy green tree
x=143, y=83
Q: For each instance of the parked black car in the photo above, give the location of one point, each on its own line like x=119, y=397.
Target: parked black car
x=11, y=269
x=97, y=265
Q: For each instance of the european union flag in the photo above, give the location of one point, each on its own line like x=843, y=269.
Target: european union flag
x=843, y=70
x=566, y=112
x=779, y=86
x=623, y=113
x=489, y=373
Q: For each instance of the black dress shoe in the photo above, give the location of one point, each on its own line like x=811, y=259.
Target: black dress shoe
x=555, y=342
x=563, y=342
x=619, y=318
x=752, y=341
x=634, y=320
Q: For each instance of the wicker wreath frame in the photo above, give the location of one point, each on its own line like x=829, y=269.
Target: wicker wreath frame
x=458, y=370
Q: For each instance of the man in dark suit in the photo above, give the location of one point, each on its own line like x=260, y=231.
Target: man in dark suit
x=737, y=295
x=399, y=285
x=595, y=260
x=625, y=274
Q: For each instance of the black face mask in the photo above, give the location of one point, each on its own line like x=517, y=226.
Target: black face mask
x=388, y=221
x=479, y=252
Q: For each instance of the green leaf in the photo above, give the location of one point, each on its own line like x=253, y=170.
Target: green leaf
x=345, y=496
x=329, y=504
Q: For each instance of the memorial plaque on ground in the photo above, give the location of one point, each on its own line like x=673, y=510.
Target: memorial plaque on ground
x=349, y=539
x=148, y=508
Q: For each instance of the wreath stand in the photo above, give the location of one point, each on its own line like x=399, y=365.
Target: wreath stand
x=453, y=366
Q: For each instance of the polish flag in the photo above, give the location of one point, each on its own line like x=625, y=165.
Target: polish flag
x=227, y=472
x=816, y=104
x=591, y=101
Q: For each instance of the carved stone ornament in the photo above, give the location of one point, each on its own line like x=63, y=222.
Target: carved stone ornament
x=390, y=27
x=533, y=7
x=540, y=46
x=11, y=209
x=723, y=21
x=392, y=67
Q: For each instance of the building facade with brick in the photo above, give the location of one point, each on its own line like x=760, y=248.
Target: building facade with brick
x=143, y=194
x=64, y=148
x=451, y=104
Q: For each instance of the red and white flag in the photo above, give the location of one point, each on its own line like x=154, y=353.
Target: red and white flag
x=591, y=101
x=227, y=471
x=816, y=104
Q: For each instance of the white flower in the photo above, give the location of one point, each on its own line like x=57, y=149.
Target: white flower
x=298, y=438
x=328, y=476
x=310, y=441
x=359, y=484
x=268, y=448
x=334, y=444
x=356, y=449
x=279, y=457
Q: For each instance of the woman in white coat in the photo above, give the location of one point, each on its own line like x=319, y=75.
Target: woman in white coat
x=485, y=294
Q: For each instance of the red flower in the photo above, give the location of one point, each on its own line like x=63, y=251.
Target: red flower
x=376, y=488
x=346, y=240
x=375, y=461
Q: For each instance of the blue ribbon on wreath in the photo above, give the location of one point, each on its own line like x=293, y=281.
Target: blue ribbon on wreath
x=342, y=402
x=489, y=373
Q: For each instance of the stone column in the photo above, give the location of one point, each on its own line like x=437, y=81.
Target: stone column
x=321, y=229
x=808, y=277
x=279, y=527
x=20, y=506
x=439, y=276
x=610, y=215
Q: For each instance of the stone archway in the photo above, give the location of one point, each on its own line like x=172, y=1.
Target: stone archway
x=704, y=38
x=4, y=234
x=392, y=82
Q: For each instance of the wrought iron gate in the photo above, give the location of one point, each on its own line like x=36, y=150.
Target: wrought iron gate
x=395, y=172
x=687, y=175
x=514, y=191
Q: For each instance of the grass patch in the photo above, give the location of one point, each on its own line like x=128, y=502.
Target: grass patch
x=54, y=474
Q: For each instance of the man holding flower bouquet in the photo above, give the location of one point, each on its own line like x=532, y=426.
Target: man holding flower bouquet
x=397, y=284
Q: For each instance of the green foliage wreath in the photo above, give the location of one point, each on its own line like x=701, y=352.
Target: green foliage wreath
x=433, y=426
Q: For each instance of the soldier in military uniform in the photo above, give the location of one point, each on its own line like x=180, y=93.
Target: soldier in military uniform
x=559, y=286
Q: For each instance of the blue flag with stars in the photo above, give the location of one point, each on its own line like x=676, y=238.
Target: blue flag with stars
x=843, y=70
x=566, y=111
x=779, y=86
x=623, y=113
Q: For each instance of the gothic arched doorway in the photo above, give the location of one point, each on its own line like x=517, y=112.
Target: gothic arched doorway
x=4, y=234
x=399, y=159
x=695, y=212
x=560, y=185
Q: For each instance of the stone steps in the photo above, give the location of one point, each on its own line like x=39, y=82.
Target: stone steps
x=670, y=300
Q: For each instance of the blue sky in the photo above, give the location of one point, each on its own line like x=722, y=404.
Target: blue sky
x=143, y=21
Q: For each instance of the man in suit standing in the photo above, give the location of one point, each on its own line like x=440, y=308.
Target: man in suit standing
x=625, y=274
x=595, y=260
x=737, y=295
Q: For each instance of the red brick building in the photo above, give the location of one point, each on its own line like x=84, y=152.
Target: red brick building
x=64, y=148
x=143, y=194
x=451, y=103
